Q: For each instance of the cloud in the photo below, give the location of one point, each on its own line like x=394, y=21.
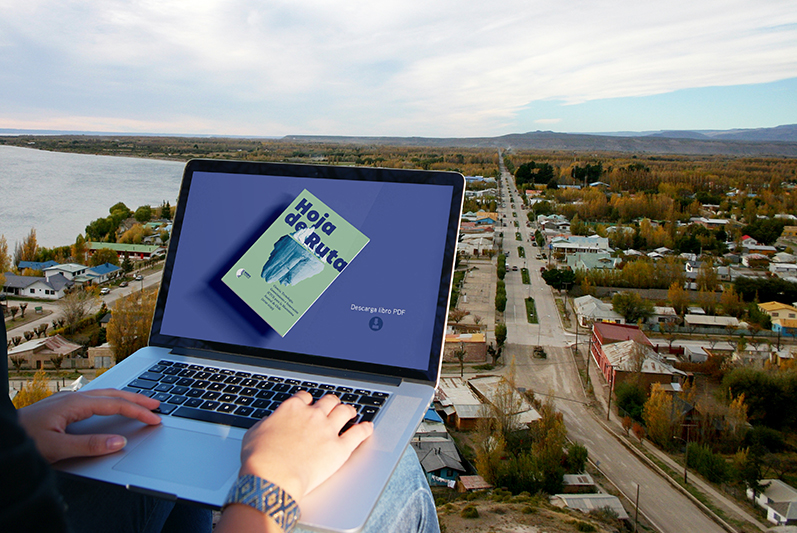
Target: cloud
x=548, y=121
x=355, y=67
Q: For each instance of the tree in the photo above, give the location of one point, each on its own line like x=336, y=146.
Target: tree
x=77, y=305
x=456, y=315
x=22, y=307
x=657, y=414
x=102, y=256
x=29, y=247
x=131, y=319
x=678, y=298
x=34, y=391
x=17, y=361
x=632, y=306
x=5, y=259
x=631, y=399
x=559, y=278
x=500, y=334
x=79, y=250
x=143, y=214
x=707, y=279
x=460, y=354
x=166, y=210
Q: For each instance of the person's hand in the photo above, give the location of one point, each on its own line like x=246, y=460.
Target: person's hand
x=298, y=447
x=46, y=421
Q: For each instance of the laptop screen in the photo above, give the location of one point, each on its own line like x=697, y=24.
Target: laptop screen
x=383, y=305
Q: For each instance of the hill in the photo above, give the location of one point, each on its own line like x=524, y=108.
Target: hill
x=774, y=142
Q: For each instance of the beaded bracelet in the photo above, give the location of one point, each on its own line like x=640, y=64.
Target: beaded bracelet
x=267, y=498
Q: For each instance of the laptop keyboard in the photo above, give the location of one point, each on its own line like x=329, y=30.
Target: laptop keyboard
x=240, y=399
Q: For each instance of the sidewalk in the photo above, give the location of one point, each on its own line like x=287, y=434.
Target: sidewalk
x=718, y=500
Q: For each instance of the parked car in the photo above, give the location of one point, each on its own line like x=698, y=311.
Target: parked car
x=514, y=268
x=139, y=277
x=123, y=284
x=105, y=290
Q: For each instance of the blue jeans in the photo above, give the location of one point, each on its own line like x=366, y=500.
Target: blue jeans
x=405, y=505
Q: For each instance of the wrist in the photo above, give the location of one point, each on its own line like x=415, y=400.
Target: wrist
x=266, y=497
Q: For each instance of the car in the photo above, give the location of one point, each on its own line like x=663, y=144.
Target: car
x=105, y=290
x=123, y=284
x=139, y=277
x=514, y=268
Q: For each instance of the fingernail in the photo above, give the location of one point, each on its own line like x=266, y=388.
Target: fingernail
x=117, y=442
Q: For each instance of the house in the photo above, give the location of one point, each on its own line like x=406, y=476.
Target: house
x=578, y=484
x=604, y=334
x=472, y=484
x=630, y=359
x=51, y=288
x=789, y=232
x=133, y=251
x=597, y=261
x=38, y=352
x=578, y=244
x=778, y=310
x=662, y=315
x=696, y=322
x=779, y=500
x=36, y=265
x=474, y=345
x=786, y=327
x=489, y=389
x=440, y=461
x=590, y=502
x=459, y=405
x=69, y=270
x=590, y=310
x=104, y=272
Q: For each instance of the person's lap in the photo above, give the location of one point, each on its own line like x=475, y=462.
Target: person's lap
x=405, y=505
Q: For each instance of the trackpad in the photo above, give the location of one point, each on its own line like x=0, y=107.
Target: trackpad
x=185, y=457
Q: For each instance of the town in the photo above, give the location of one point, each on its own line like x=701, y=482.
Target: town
x=616, y=322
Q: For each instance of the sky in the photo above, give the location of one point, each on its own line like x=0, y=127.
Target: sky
x=437, y=68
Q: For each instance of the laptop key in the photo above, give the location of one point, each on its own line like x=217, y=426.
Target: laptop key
x=185, y=382
x=165, y=408
x=226, y=408
x=194, y=402
x=151, y=376
x=210, y=405
x=349, y=398
x=248, y=391
x=344, y=389
x=281, y=397
x=244, y=411
x=211, y=395
x=362, y=392
x=170, y=379
x=165, y=363
x=370, y=400
x=324, y=386
x=261, y=404
x=163, y=387
x=172, y=371
x=215, y=417
x=380, y=394
x=195, y=393
x=142, y=384
x=244, y=400
x=293, y=382
x=265, y=394
x=158, y=368
x=179, y=390
x=162, y=396
x=261, y=413
x=177, y=400
x=368, y=414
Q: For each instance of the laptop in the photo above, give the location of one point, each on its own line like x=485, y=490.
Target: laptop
x=229, y=340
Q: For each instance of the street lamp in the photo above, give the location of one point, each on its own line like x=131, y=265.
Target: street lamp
x=686, y=452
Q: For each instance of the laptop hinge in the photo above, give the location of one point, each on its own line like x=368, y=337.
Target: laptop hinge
x=392, y=381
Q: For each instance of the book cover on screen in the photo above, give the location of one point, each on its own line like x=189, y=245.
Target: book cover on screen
x=285, y=271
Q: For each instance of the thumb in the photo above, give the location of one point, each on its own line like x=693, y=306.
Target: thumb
x=92, y=445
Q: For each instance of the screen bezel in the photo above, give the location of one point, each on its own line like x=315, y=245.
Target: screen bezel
x=448, y=179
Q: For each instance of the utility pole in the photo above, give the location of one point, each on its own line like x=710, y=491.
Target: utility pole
x=636, y=508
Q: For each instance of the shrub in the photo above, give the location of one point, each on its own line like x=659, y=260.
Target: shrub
x=585, y=526
x=469, y=512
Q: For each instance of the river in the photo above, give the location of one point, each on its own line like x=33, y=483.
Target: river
x=59, y=194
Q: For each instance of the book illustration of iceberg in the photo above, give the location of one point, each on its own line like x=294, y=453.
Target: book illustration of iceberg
x=291, y=261
x=297, y=257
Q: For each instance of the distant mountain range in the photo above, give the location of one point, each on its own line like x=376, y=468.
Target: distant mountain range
x=780, y=141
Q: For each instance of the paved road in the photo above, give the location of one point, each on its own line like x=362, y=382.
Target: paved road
x=664, y=507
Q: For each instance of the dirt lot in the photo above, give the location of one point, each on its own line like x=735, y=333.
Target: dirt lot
x=519, y=515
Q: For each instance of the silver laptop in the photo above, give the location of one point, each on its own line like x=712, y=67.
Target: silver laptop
x=371, y=332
